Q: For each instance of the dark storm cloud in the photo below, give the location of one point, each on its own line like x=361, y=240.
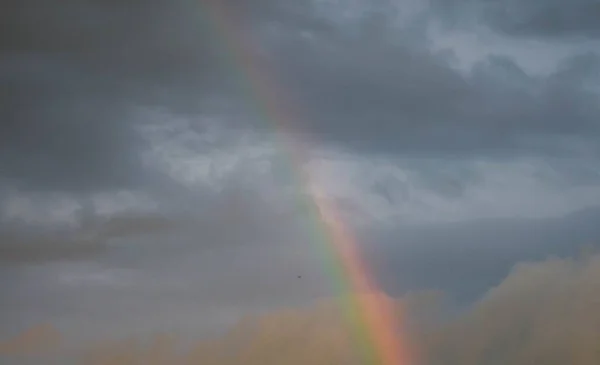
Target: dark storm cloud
x=465, y=259
x=550, y=19
x=378, y=92
x=74, y=73
x=61, y=130
x=156, y=41
x=374, y=96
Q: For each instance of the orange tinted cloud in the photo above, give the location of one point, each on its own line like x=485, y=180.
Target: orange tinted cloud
x=542, y=313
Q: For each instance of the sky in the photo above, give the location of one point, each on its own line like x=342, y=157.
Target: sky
x=146, y=184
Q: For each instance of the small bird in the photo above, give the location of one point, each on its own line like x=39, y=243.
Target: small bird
x=299, y=276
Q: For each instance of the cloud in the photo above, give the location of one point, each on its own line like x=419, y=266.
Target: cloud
x=237, y=255
x=74, y=85
x=242, y=253
x=39, y=340
x=464, y=259
x=545, y=20
x=118, y=227
x=135, y=145
x=541, y=312
x=403, y=190
x=75, y=88
x=149, y=43
x=150, y=116
x=63, y=130
x=19, y=250
x=85, y=243
x=379, y=97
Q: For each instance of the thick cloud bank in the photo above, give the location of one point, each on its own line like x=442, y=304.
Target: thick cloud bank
x=542, y=313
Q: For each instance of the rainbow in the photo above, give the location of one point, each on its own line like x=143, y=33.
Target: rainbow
x=371, y=315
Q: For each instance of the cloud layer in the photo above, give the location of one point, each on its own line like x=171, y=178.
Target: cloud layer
x=548, y=19
x=74, y=87
x=144, y=178
x=542, y=312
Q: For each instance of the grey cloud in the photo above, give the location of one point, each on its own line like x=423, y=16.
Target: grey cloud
x=21, y=250
x=554, y=19
x=86, y=243
x=62, y=130
x=389, y=98
x=464, y=259
x=73, y=75
x=237, y=255
x=384, y=95
x=139, y=41
x=186, y=279
x=125, y=226
x=148, y=48
x=542, y=311
x=75, y=72
x=449, y=178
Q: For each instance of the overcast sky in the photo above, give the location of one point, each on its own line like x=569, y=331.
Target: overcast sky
x=143, y=185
